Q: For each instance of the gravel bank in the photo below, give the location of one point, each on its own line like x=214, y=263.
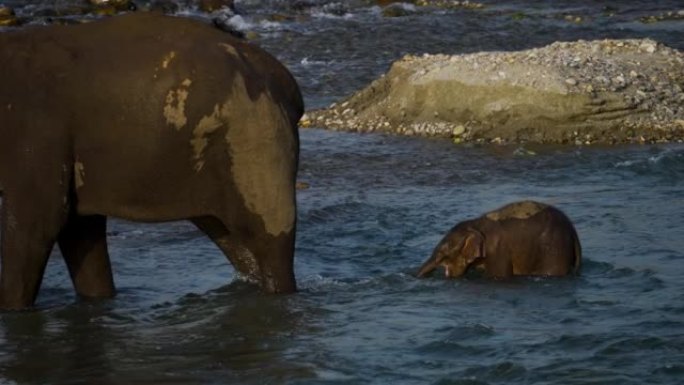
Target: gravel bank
x=583, y=92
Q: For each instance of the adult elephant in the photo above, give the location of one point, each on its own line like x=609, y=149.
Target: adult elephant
x=147, y=118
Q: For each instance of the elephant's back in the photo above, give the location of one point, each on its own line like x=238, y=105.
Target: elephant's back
x=517, y=210
x=136, y=62
x=142, y=77
x=540, y=238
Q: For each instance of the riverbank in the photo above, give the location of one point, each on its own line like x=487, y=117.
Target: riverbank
x=582, y=92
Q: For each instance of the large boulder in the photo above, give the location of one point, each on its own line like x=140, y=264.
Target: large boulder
x=606, y=91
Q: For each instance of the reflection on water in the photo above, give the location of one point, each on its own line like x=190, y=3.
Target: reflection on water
x=57, y=345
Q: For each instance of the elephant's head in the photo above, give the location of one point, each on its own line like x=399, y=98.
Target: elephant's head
x=457, y=251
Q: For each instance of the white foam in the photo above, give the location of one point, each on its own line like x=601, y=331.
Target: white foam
x=306, y=62
x=239, y=23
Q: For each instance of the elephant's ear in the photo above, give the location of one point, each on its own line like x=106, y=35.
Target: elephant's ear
x=473, y=246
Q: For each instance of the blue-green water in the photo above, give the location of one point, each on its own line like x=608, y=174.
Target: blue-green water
x=375, y=208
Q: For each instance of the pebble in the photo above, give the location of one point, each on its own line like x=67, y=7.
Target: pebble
x=118, y=5
x=7, y=17
x=210, y=6
x=6, y=11
x=647, y=47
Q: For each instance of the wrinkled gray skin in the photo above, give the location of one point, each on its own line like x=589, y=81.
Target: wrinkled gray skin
x=521, y=238
x=147, y=118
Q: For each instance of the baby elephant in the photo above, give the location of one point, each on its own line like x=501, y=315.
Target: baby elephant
x=521, y=238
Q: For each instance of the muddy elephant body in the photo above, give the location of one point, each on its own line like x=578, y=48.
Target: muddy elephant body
x=147, y=118
x=521, y=238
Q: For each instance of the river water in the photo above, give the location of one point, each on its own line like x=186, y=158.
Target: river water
x=375, y=208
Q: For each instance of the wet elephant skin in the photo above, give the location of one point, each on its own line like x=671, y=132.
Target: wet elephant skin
x=521, y=238
x=148, y=118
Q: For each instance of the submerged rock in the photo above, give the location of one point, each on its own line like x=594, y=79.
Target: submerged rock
x=164, y=6
x=606, y=91
x=397, y=10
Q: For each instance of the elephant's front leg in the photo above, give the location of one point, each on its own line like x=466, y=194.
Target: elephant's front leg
x=83, y=243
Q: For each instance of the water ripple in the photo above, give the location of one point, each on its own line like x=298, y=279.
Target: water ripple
x=376, y=207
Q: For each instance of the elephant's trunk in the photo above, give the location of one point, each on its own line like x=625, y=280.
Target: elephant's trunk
x=428, y=267
x=433, y=262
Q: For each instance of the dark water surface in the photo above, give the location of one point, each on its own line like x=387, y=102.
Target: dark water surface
x=376, y=207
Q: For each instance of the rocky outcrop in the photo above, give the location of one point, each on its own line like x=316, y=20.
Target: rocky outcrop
x=582, y=92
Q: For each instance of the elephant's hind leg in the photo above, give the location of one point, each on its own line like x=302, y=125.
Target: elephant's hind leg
x=83, y=242
x=237, y=253
x=29, y=224
x=262, y=259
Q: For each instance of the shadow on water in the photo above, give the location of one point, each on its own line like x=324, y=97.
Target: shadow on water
x=234, y=334
x=67, y=345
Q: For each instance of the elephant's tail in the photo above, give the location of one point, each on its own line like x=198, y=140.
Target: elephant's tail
x=578, y=255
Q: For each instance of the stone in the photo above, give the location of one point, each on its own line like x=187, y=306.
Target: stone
x=8, y=21
x=7, y=17
x=395, y=10
x=6, y=11
x=115, y=5
x=164, y=6
x=648, y=46
x=305, y=121
x=210, y=6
